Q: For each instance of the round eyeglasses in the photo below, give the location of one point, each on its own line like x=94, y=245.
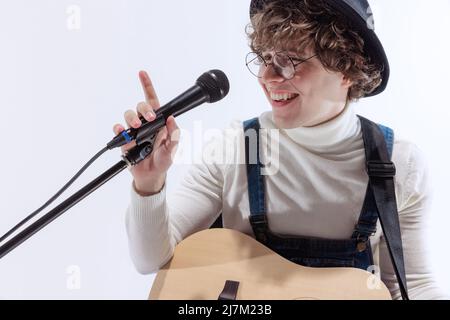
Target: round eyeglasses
x=284, y=65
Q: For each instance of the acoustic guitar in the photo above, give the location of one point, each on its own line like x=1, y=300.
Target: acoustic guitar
x=204, y=262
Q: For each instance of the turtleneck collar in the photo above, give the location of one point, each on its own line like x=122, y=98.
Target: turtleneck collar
x=327, y=136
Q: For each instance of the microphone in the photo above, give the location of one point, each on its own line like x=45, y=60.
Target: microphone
x=210, y=87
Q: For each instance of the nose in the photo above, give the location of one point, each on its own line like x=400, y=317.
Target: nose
x=268, y=74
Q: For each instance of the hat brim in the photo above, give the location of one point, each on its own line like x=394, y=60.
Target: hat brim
x=372, y=44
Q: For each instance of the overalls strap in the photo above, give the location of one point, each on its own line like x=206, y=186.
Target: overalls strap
x=258, y=217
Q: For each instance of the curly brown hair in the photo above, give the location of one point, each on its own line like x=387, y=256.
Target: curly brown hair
x=298, y=25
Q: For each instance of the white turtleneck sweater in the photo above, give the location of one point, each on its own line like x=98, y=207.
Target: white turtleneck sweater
x=317, y=191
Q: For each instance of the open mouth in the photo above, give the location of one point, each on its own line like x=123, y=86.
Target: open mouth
x=282, y=99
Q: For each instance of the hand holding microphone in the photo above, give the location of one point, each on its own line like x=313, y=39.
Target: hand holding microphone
x=149, y=175
x=150, y=118
x=148, y=146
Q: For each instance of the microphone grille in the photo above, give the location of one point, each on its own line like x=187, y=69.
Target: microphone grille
x=216, y=84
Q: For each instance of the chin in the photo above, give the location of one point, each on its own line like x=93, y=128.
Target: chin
x=285, y=121
x=288, y=117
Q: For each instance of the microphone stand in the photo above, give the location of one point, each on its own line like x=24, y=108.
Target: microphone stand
x=131, y=158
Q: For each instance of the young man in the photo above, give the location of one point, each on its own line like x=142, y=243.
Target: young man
x=312, y=59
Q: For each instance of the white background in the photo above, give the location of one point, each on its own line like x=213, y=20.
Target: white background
x=61, y=91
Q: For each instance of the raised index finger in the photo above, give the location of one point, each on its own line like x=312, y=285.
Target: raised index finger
x=149, y=90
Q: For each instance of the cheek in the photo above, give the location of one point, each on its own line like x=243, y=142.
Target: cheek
x=330, y=79
x=332, y=86
x=322, y=84
x=262, y=84
x=306, y=79
x=301, y=85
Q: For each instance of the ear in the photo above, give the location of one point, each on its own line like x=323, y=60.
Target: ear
x=346, y=82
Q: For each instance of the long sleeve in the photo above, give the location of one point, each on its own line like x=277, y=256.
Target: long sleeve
x=150, y=240
x=414, y=208
x=155, y=225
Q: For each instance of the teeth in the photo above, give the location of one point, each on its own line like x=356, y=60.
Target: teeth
x=282, y=97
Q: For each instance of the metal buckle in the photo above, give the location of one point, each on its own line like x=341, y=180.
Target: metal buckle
x=379, y=169
x=259, y=224
x=258, y=219
x=362, y=243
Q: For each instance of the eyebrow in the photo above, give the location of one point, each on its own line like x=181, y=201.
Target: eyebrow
x=292, y=54
x=295, y=56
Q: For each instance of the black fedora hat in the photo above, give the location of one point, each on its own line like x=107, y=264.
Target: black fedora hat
x=359, y=13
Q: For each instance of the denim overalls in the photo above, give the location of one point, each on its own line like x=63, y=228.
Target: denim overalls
x=312, y=252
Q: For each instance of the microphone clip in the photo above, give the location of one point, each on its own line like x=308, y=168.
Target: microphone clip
x=141, y=151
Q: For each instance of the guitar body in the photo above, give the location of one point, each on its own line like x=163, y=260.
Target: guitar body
x=203, y=262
